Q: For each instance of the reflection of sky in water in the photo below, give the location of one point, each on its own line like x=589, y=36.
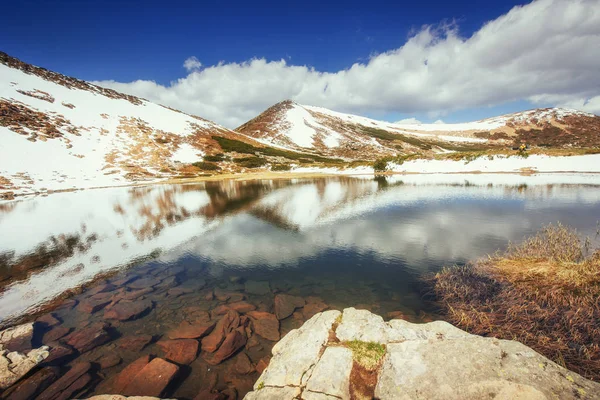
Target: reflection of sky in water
x=409, y=223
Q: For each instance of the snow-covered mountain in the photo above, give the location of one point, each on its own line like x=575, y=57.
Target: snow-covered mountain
x=309, y=128
x=60, y=133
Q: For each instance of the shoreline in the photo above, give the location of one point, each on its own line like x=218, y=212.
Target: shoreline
x=270, y=175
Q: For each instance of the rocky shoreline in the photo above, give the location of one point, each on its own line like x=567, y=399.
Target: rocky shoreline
x=352, y=354
x=435, y=360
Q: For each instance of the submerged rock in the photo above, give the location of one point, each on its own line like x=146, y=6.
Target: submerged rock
x=257, y=287
x=181, y=351
x=135, y=343
x=70, y=383
x=126, y=310
x=265, y=324
x=55, y=333
x=414, y=361
x=234, y=341
x=152, y=380
x=31, y=387
x=118, y=383
x=88, y=338
x=108, y=361
x=230, y=321
x=185, y=330
x=286, y=304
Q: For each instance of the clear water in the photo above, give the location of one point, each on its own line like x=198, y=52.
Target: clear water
x=350, y=241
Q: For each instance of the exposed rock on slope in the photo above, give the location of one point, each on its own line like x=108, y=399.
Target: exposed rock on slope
x=60, y=132
x=358, y=355
x=336, y=134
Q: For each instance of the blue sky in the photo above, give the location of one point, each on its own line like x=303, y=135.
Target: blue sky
x=120, y=42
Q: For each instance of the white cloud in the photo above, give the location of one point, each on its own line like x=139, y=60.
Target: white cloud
x=439, y=121
x=546, y=52
x=408, y=121
x=192, y=63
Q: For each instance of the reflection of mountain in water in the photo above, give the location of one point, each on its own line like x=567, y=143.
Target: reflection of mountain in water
x=55, y=243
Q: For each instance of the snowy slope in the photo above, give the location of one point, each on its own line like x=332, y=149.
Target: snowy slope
x=304, y=127
x=61, y=133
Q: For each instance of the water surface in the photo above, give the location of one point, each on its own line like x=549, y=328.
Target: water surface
x=347, y=241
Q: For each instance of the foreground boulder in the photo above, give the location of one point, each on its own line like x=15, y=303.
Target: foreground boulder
x=402, y=360
x=14, y=365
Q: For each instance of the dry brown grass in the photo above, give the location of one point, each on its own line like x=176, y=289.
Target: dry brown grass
x=544, y=292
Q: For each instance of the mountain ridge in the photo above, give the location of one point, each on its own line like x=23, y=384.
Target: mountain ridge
x=338, y=134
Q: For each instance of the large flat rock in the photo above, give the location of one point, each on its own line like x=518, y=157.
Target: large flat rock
x=298, y=351
x=422, y=361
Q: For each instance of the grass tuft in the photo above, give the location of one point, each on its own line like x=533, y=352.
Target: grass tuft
x=543, y=292
x=366, y=354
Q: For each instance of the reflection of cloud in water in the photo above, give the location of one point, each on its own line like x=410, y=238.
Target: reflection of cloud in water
x=421, y=227
x=408, y=220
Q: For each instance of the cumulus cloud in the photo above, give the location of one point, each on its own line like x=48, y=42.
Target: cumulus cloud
x=192, y=63
x=408, y=121
x=545, y=52
x=439, y=121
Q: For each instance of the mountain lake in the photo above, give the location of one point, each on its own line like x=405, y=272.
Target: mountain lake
x=116, y=274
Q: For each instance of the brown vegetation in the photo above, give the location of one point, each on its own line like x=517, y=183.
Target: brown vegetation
x=19, y=118
x=544, y=293
x=63, y=80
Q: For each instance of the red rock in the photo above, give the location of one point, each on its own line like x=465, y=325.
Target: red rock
x=311, y=309
x=58, y=353
x=48, y=320
x=135, y=343
x=88, y=338
x=124, y=378
x=230, y=393
x=396, y=315
x=286, y=304
x=75, y=387
x=124, y=311
x=61, y=385
x=243, y=365
x=135, y=294
x=67, y=304
x=252, y=342
x=234, y=341
x=178, y=291
x=122, y=281
x=95, y=303
x=242, y=307
x=168, y=282
x=314, y=299
x=235, y=297
x=191, y=331
x=102, y=288
x=34, y=385
x=219, y=310
x=230, y=321
x=223, y=295
x=262, y=364
x=265, y=324
x=144, y=283
x=152, y=379
x=55, y=334
x=181, y=351
x=208, y=395
x=108, y=361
